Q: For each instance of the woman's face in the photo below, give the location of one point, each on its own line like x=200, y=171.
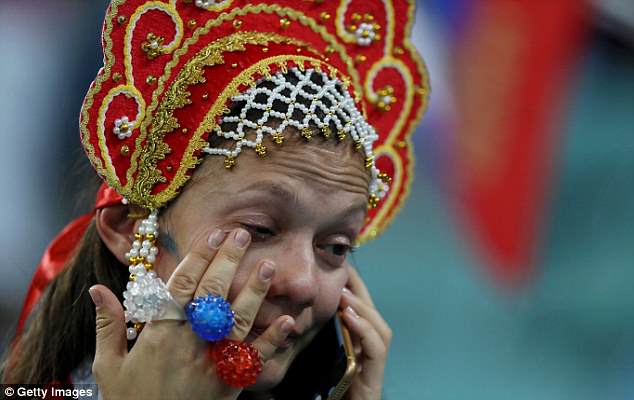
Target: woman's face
x=303, y=204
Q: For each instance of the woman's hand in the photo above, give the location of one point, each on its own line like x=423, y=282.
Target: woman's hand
x=371, y=338
x=168, y=360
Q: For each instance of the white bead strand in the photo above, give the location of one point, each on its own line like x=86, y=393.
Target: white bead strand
x=341, y=111
x=146, y=295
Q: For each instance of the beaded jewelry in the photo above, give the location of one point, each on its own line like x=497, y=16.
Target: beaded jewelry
x=305, y=98
x=146, y=296
x=238, y=364
x=210, y=317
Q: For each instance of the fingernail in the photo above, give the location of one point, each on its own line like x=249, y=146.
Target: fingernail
x=216, y=238
x=287, y=325
x=267, y=270
x=242, y=237
x=351, y=311
x=345, y=290
x=95, y=296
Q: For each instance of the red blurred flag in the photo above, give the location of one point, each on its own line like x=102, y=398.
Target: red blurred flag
x=513, y=64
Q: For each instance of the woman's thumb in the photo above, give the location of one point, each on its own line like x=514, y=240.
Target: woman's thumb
x=110, y=321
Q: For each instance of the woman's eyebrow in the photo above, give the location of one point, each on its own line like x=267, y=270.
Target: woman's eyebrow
x=289, y=195
x=278, y=190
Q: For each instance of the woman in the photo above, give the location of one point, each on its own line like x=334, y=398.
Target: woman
x=322, y=98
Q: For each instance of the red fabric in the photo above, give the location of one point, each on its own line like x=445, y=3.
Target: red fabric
x=151, y=166
x=60, y=250
x=513, y=67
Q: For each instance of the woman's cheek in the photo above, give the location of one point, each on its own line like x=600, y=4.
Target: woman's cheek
x=330, y=293
x=165, y=265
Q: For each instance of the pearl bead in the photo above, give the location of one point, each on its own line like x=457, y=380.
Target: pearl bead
x=131, y=333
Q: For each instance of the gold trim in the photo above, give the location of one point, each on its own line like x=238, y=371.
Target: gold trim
x=171, y=11
x=101, y=128
x=96, y=88
x=158, y=149
x=178, y=96
x=381, y=222
x=196, y=143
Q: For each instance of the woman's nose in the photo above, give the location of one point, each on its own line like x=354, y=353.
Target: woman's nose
x=296, y=275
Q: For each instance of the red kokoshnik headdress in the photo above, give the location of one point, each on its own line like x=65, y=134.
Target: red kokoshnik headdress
x=174, y=69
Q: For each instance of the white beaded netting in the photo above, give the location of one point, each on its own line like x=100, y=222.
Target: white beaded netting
x=302, y=100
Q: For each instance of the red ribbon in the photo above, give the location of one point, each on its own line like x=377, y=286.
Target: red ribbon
x=60, y=250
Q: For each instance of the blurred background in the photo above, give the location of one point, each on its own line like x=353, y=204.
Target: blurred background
x=510, y=272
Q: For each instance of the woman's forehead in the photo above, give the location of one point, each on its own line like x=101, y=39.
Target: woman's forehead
x=296, y=167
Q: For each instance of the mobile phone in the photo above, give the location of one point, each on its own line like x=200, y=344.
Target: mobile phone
x=345, y=368
x=324, y=369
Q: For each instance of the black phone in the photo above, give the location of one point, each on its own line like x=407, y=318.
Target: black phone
x=324, y=369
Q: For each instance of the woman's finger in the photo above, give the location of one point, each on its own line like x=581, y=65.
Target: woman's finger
x=218, y=277
x=274, y=337
x=356, y=285
x=368, y=312
x=374, y=351
x=111, y=344
x=184, y=281
x=247, y=304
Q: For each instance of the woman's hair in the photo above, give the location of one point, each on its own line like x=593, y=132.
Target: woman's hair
x=61, y=331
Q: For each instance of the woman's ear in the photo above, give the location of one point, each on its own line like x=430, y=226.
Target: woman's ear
x=116, y=230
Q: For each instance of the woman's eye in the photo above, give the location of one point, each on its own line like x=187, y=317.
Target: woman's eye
x=337, y=249
x=258, y=231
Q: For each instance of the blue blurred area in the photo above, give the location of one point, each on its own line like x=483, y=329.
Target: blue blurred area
x=568, y=334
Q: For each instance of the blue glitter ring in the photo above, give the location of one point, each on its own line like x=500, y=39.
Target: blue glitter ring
x=210, y=317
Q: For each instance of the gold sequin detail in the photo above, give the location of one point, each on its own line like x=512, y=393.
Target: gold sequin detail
x=237, y=24
x=150, y=80
x=116, y=77
x=373, y=201
x=307, y=134
x=121, y=19
x=260, y=149
x=385, y=177
x=278, y=138
x=285, y=23
x=152, y=45
x=229, y=162
x=368, y=162
x=341, y=135
x=385, y=98
x=125, y=150
x=191, y=24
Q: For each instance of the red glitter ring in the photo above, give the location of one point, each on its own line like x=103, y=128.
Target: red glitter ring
x=238, y=364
